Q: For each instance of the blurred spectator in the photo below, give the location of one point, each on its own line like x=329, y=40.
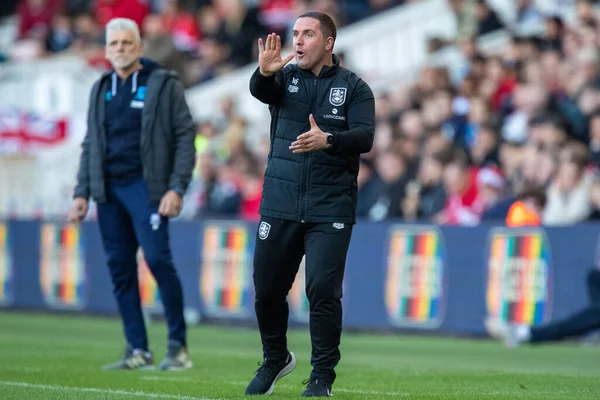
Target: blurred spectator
x=221, y=195
x=159, y=46
x=77, y=6
x=181, y=25
x=555, y=30
x=426, y=196
x=332, y=8
x=527, y=209
x=238, y=32
x=487, y=19
x=105, y=10
x=594, y=137
x=369, y=187
x=529, y=19
x=35, y=17
x=585, y=12
x=595, y=198
x=60, y=35
x=466, y=17
x=209, y=21
x=8, y=7
x=569, y=192
x=377, y=6
x=88, y=40
x=88, y=35
x=209, y=62
x=276, y=16
x=484, y=151
x=390, y=187
x=461, y=204
x=528, y=100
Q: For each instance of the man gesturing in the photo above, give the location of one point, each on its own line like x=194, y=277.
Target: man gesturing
x=322, y=120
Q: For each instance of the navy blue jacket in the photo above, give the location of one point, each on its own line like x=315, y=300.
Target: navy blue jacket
x=166, y=141
x=123, y=124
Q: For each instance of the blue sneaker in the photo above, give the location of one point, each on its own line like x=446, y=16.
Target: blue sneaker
x=268, y=374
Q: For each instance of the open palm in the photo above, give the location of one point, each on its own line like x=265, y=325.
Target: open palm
x=269, y=55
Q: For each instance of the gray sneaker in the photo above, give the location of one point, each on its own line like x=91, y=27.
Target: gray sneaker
x=133, y=359
x=177, y=358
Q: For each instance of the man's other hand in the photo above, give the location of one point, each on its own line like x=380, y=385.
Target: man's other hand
x=170, y=204
x=314, y=139
x=78, y=210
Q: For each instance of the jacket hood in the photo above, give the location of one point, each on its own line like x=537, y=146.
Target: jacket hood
x=149, y=65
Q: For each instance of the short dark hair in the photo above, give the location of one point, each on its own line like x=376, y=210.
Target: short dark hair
x=325, y=23
x=535, y=193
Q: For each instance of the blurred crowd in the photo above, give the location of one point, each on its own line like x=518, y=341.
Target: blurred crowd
x=200, y=39
x=511, y=137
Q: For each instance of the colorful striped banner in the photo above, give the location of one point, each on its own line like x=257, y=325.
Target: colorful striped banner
x=414, y=285
x=226, y=270
x=6, y=266
x=518, y=276
x=62, y=265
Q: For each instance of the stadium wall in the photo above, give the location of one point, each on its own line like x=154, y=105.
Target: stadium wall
x=398, y=276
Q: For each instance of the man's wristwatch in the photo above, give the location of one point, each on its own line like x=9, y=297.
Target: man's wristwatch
x=330, y=140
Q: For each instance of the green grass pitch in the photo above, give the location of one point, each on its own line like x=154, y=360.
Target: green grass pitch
x=60, y=357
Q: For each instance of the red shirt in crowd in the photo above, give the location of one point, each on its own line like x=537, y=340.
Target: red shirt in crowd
x=184, y=29
x=276, y=13
x=503, y=93
x=463, y=208
x=251, y=190
x=105, y=10
x=35, y=19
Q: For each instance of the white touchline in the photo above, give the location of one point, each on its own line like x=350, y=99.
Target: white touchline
x=105, y=391
x=335, y=389
x=20, y=369
x=288, y=386
x=169, y=378
x=375, y=392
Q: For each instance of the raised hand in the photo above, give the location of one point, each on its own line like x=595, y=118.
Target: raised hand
x=314, y=139
x=269, y=55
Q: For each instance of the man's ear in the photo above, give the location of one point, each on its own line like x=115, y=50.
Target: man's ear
x=329, y=43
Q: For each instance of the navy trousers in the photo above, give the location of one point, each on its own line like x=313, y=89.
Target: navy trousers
x=127, y=220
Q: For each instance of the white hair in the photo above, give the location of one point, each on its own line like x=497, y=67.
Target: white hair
x=123, y=24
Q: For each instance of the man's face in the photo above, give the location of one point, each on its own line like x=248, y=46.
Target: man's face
x=123, y=49
x=309, y=44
